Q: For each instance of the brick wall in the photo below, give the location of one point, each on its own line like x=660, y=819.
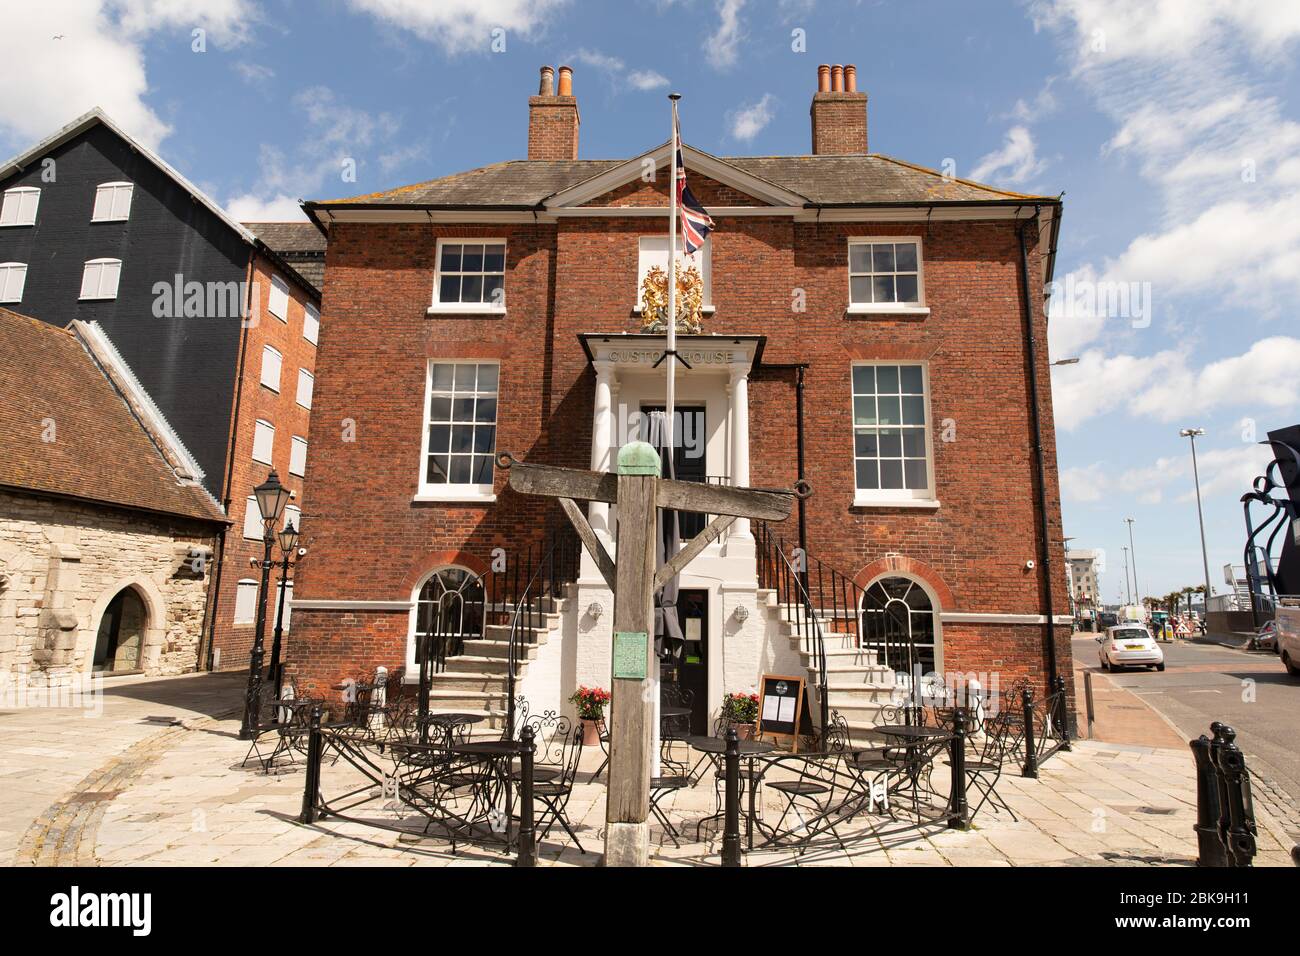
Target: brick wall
x=257, y=401
x=368, y=536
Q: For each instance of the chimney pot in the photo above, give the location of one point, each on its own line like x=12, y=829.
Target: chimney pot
x=566, y=81
x=553, y=118
x=547, y=86
x=837, y=79
x=850, y=78
x=824, y=78
x=839, y=112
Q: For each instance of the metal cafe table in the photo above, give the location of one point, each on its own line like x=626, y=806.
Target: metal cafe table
x=749, y=749
x=921, y=745
x=499, y=755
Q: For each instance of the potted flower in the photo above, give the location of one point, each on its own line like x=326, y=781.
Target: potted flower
x=590, y=702
x=742, y=711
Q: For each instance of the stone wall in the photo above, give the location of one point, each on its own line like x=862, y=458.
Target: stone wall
x=61, y=563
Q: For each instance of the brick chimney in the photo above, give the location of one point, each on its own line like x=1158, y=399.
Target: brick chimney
x=839, y=112
x=553, y=118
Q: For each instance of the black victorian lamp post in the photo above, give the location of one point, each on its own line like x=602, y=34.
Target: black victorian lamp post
x=271, y=498
x=288, y=545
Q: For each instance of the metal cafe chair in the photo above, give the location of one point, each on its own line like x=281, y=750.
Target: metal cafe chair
x=661, y=787
x=984, y=764
x=559, y=749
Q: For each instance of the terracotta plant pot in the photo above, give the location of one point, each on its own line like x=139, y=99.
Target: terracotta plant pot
x=590, y=732
x=744, y=731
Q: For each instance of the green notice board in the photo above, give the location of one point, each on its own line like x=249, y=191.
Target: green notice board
x=631, y=650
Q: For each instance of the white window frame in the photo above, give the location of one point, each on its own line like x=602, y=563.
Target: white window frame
x=451, y=492
x=311, y=387
x=254, y=527
x=245, y=586
x=296, y=456
x=15, y=201
x=896, y=497
x=256, y=430
x=117, y=190
x=271, y=352
x=438, y=307
x=278, y=296
x=918, y=308
x=310, y=323
x=653, y=251
x=7, y=271
x=100, y=285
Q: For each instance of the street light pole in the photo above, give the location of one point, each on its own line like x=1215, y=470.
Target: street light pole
x=1126, y=587
x=288, y=544
x=1191, y=435
x=1133, y=552
x=271, y=498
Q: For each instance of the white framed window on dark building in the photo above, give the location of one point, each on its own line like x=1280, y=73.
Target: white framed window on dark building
x=470, y=276
x=13, y=277
x=892, y=450
x=19, y=207
x=277, y=302
x=460, y=417
x=886, y=275
x=271, y=364
x=263, y=441
x=100, y=279
x=112, y=202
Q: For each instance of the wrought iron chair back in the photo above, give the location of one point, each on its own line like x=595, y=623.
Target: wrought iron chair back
x=558, y=743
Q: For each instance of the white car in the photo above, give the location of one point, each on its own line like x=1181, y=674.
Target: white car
x=1129, y=645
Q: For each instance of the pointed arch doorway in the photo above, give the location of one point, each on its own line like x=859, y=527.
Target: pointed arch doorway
x=119, y=643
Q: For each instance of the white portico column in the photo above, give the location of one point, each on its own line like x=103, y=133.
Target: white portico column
x=602, y=434
x=740, y=540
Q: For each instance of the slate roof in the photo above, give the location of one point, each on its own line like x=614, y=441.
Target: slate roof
x=300, y=244
x=869, y=179
x=101, y=452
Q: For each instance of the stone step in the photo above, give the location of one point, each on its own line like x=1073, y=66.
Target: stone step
x=526, y=635
x=865, y=712
x=466, y=701
x=454, y=683
x=497, y=650
x=474, y=664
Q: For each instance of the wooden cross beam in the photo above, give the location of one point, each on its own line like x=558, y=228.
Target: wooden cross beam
x=639, y=491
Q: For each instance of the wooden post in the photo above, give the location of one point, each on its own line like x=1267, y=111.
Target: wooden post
x=627, y=832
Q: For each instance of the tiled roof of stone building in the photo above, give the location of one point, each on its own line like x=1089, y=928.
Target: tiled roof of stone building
x=66, y=430
x=300, y=244
x=868, y=179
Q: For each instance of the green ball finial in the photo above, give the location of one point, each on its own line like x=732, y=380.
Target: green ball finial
x=638, y=458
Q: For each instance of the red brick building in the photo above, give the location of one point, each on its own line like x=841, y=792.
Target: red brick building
x=499, y=310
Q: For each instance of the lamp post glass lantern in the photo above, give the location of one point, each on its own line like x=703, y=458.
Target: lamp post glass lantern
x=271, y=497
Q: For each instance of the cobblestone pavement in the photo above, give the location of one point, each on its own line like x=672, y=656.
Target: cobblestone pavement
x=120, y=790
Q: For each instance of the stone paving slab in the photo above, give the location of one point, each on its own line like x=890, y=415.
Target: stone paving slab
x=177, y=796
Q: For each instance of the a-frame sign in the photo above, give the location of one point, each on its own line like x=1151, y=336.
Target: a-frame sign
x=637, y=489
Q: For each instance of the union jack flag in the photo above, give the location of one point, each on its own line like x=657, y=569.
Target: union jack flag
x=696, y=223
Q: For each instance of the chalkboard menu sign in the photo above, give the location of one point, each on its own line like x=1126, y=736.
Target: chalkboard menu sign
x=783, y=708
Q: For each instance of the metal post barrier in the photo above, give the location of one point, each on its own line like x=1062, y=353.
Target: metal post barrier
x=958, y=810
x=1062, y=713
x=311, y=777
x=527, y=836
x=1236, y=807
x=1087, y=695
x=731, y=826
x=1209, y=847
x=1031, y=745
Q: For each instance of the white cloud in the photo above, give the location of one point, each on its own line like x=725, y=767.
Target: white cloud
x=100, y=60
x=1164, y=387
x=461, y=26
x=646, y=80
x=723, y=47
x=254, y=74
x=601, y=61
x=1016, y=162
x=1225, y=471
x=250, y=208
x=1083, y=484
x=748, y=121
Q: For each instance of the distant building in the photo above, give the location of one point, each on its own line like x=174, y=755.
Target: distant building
x=216, y=320
x=1081, y=567
x=106, y=535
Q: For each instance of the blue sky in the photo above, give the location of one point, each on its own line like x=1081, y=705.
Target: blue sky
x=1171, y=125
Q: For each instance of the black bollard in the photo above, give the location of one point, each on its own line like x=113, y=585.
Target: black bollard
x=1237, y=812
x=958, y=809
x=1031, y=745
x=1062, y=713
x=311, y=776
x=527, y=836
x=731, y=824
x=1209, y=846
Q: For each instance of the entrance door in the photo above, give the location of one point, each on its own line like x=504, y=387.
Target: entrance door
x=693, y=669
x=120, y=640
x=689, y=460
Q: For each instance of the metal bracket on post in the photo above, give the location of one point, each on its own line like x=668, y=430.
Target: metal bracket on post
x=1209, y=846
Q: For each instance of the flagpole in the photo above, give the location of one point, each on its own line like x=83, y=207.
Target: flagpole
x=671, y=396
